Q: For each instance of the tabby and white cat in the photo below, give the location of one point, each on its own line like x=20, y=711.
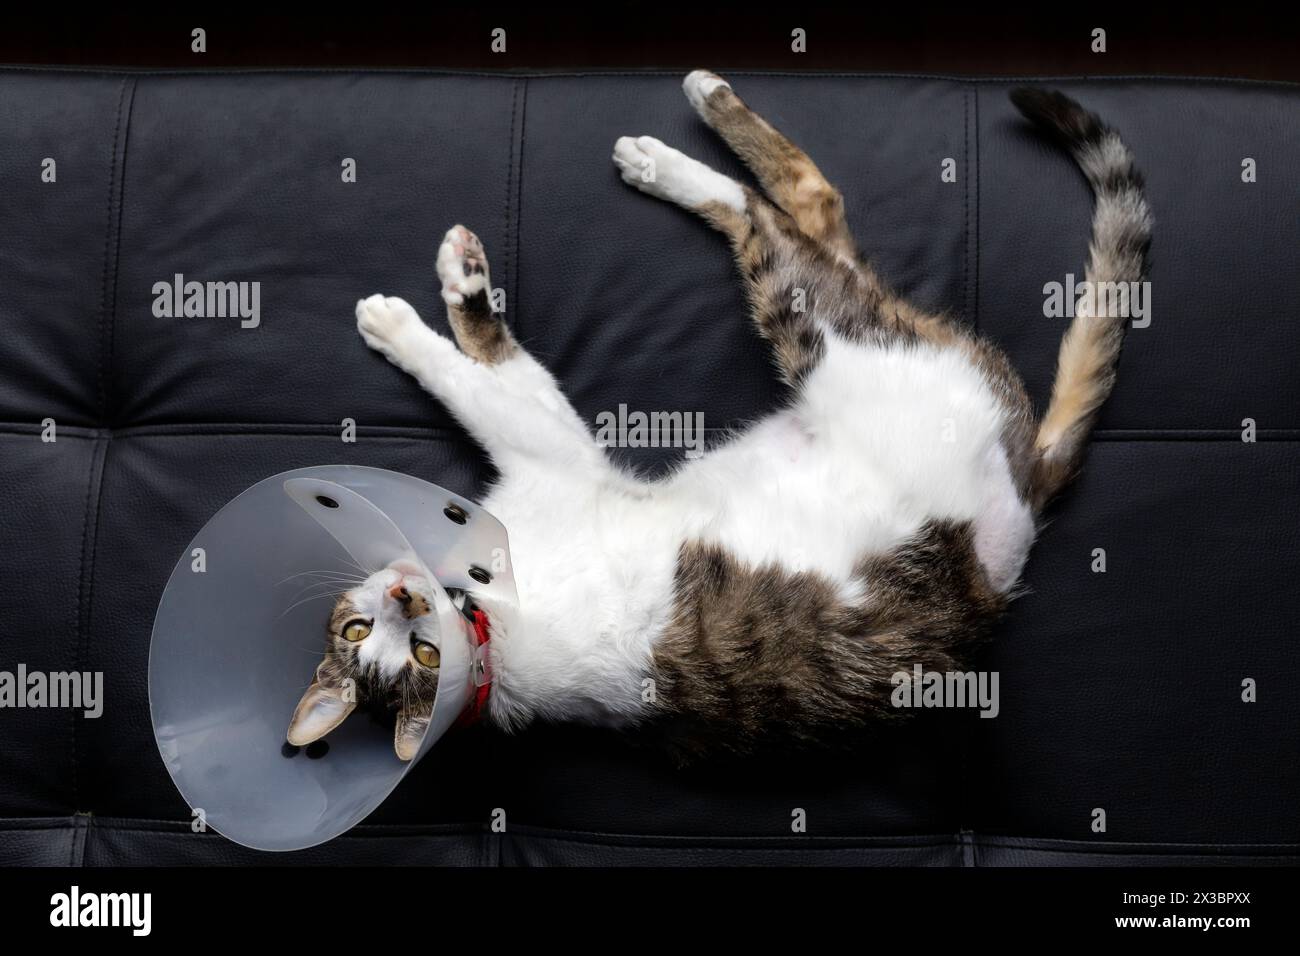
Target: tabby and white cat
x=907, y=474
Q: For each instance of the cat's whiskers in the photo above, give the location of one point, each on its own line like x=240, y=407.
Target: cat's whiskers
x=328, y=573
x=310, y=597
x=367, y=572
x=324, y=587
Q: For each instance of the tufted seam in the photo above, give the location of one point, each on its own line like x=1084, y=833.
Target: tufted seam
x=95, y=480
x=92, y=480
x=80, y=834
x=126, y=100
x=545, y=74
x=518, y=203
x=507, y=244
x=974, y=183
x=104, y=304
x=451, y=434
x=965, y=205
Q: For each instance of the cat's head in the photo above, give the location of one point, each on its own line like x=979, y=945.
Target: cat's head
x=381, y=654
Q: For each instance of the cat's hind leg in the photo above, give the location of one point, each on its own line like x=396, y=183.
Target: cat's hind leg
x=794, y=183
x=780, y=264
x=786, y=173
x=667, y=173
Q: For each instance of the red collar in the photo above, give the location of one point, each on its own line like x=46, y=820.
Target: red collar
x=480, y=676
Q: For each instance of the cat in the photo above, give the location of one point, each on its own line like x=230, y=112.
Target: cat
x=908, y=473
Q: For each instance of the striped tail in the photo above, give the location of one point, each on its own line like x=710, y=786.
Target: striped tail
x=1121, y=236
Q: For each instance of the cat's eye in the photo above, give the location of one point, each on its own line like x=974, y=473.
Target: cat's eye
x=356, y=631
x=426, y=653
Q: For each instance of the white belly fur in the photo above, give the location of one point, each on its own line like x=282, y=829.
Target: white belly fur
x=882, y=439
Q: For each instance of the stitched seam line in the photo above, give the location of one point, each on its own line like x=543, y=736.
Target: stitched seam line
x=450, y=433
x=80, y=837
x=110, y=288
x=108, y=236
x=80, y=616
x=519, y=207
x=634, y=841
x=524, y=73
x=965, y=212
x=975, y=140
x=510, y=177
x=88, y=575
x=181, y=828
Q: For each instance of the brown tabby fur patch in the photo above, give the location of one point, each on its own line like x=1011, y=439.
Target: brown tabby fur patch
x=480, y=332
x=765, y=654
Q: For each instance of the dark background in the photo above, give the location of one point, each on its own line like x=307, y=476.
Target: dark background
x=1230, y=41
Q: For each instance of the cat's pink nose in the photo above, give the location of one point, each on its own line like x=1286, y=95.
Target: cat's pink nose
x=398, y=592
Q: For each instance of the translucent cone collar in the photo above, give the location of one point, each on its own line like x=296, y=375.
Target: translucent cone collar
x=235, y=643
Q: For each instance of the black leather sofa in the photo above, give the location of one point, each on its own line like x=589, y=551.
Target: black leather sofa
x=1119, y=690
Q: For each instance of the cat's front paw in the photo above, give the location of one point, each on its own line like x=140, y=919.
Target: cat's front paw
x=388, y=324
x=462, y=265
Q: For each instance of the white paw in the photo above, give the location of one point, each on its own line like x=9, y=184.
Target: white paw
x=462, y=265
x=660, y=170
x=387, y=324
x=699, y=84
x=635, y=165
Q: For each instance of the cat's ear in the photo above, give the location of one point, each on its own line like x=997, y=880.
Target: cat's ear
x=321, y=709
x=409, y=733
